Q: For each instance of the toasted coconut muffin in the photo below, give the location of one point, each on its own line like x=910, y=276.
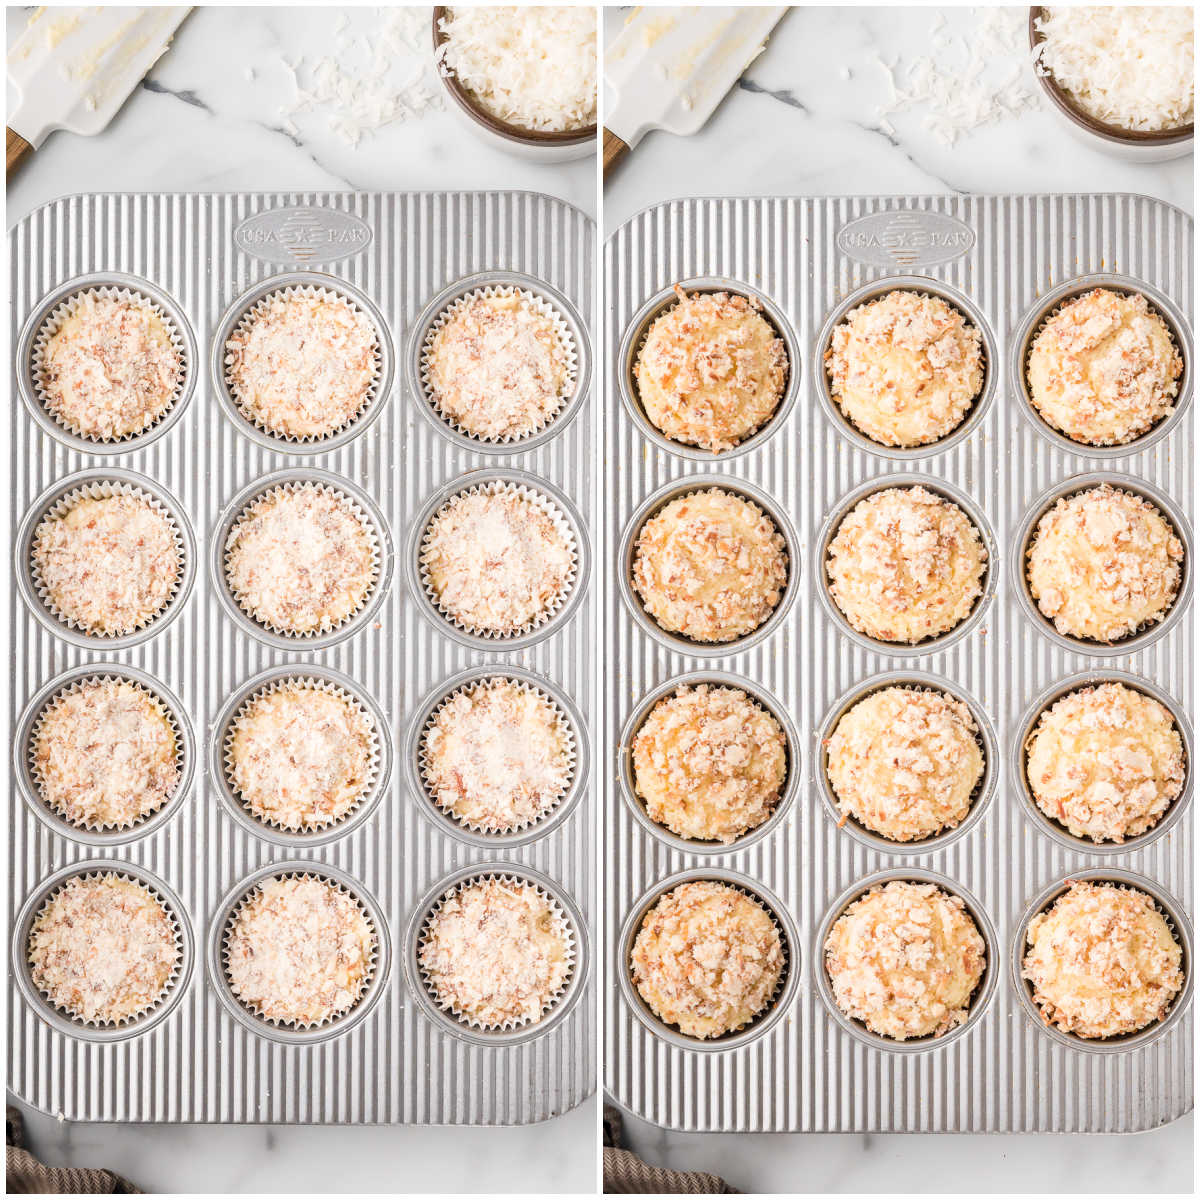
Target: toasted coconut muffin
x=906, y=762
x=1102, y=961
x=709, y=763
x=711, y=370
x=1104, y=564
x=711, y=566
x=905, y=959
x=905, y=368
x=707, y=959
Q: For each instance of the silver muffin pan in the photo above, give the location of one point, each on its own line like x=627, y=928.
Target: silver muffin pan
x=812, y=1069
x=387, y=1059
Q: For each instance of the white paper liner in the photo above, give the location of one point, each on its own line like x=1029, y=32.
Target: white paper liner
x=247, y=318
x=298, y=682
x=75, y=686
x=54, y=322
x=561, y=721
x=172, y=980
x=368, y=525
x=99, y=489
x=547, y=505
x=780, y=983
x=1035, y=528
x=544, y=308
x=368, y=981
x=562, y=925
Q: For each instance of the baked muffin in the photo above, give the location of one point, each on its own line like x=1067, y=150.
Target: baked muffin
x=496, y=953
x=497, y=560
x=497, y=365
x=110, y=369
x=104, y=754
x=1106, y=761
x=109, y=564
x=1104, y=564
x=710, y=566
x=302, y=363
x=905, y=762
x=1104, y=369
x=102, y=949
x=1102, y=961
x=711, y=370
x=707, y=959
x=300, y=756
x=906, y=565
x=905, y=959
x=709, y=763
x=300, y=559
x=906, y=368
x=497, y=755
x=299, y=950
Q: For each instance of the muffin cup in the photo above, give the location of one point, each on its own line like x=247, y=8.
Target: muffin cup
x=785, y=990
x=287, y=1032
x=1049, y=304
x=917, y=681
x=760, y=697
x=980, y=998
x=1046, y=824
x=555, y=503
x=249, y=305
x=521, y=835
x=687, y=486
x=560, y=1005
x=923, y=286
x=154, y=1014
x=373, y=522
x=1146, y=635
x=49, y=316
x=275, y=679
x=26, y=773
x=551, y=303
x=988, y=585
x=57, y=500
x=1180, y=929
x=634, y=339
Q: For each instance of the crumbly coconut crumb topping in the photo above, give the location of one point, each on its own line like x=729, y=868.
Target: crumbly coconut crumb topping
x=102, y=949
x=299, y=950
x=104, y=754
x=496, y=953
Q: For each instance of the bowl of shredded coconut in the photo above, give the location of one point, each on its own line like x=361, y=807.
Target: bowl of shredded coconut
x=1123, y=77
x=525, y=76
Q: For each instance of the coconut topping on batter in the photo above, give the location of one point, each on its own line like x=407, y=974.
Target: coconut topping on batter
x=905, y=762
x=102, y=949
x=104, y=755
x=299, y=950
x=1106, y=762
x=711, y=370
x=109, y=564
x=300, y=756
x=497, y=755
x=497, y=560
x=905, y=368
x=496, y=953
x=707, y=959
x=1103, y=564
x=906, y=565
x=497, y=366
x=1102, y=961
x=110, y=369
x=299, y=559
x=709, y=763
x=302, y=362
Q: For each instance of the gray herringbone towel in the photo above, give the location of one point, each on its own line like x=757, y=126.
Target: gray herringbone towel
x=26, y=1176
x=626, y=1175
